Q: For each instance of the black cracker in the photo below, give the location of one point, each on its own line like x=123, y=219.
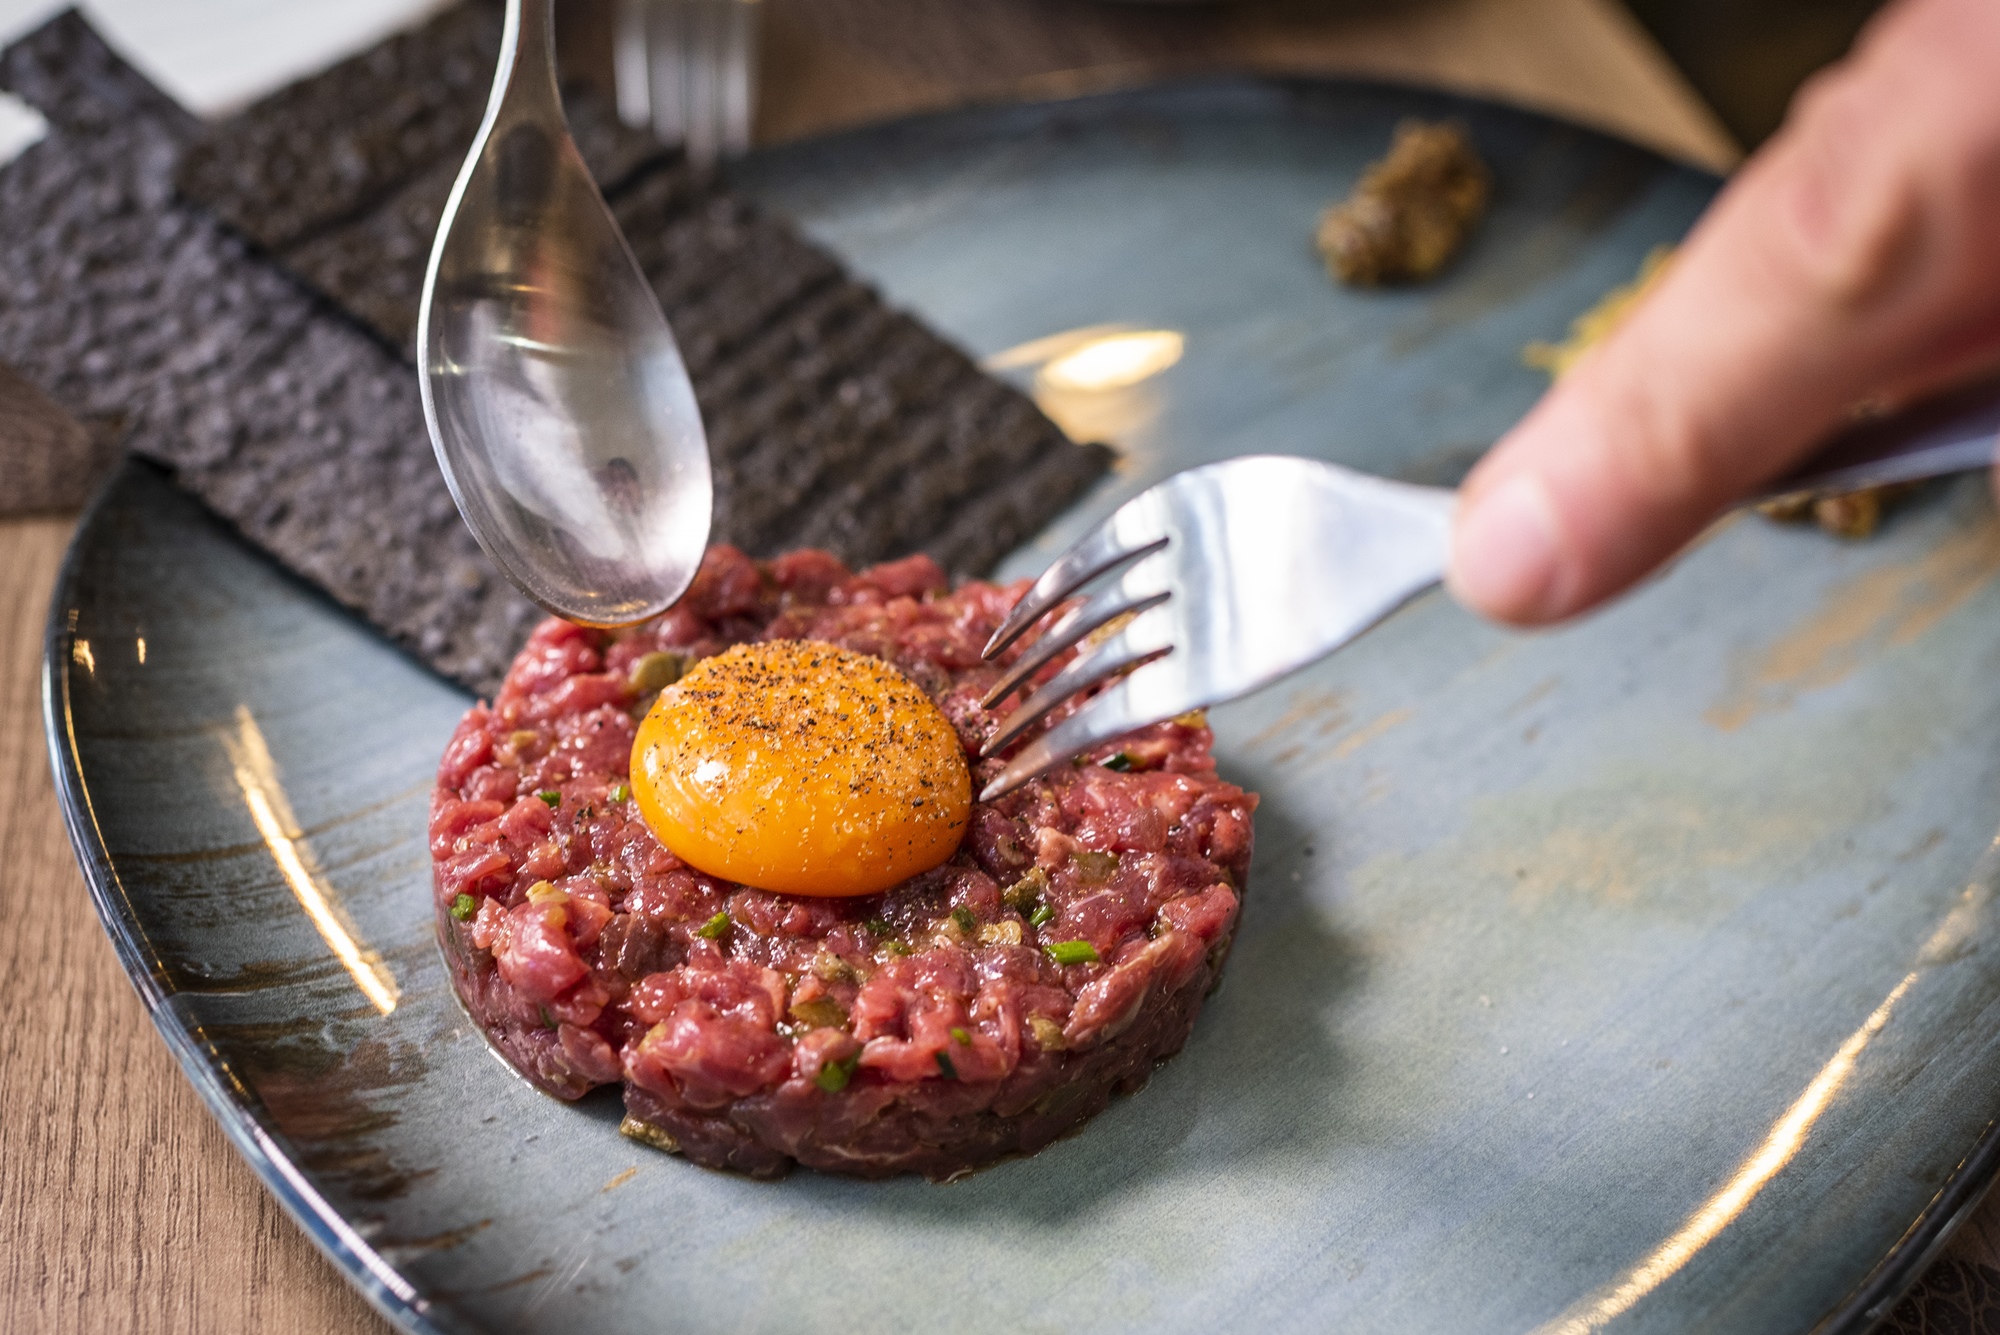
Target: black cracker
x=155, y=328
x=832, y=420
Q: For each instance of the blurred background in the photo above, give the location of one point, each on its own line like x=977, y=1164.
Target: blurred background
x=1744, y=58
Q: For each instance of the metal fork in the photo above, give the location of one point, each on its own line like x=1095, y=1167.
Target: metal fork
x=688, y=68
x=1234, y=574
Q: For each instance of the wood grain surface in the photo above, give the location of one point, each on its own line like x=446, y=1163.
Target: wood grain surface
x=121, y=1205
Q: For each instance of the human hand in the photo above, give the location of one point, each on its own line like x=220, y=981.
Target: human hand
x=1854, y=259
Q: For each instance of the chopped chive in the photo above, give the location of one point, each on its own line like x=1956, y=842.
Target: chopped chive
x=963, y=917
x=621, y=792
x=464, y=907
x=833, y=1076
x=949, y=1071
x=960, y=1037
x=879, y=927
x=1072, y=952
x=1118, y=764
x=716, y=926
x=550, y=796
x=1041, y=915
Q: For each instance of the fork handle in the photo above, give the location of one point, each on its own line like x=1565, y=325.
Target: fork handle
x=1951, y=433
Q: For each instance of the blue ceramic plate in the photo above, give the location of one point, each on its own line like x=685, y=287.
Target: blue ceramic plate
x=1639, y=976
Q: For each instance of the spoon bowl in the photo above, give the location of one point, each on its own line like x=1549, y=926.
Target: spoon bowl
x=557, y=401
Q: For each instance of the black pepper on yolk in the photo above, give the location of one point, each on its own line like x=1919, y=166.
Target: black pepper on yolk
x=803, y=768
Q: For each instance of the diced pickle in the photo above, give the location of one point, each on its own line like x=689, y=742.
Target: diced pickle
x=819, y=1013
x=1093, y=867
x=831, y=968
x=657, y=671
x=1022, y=895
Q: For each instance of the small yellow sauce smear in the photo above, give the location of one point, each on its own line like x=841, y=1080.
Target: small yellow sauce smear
x=803, y=768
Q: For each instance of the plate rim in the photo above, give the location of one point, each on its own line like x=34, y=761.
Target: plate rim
x=235, y=1109
x=238, y=1111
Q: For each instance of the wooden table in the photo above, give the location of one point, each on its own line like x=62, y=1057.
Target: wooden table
x=121, y=1205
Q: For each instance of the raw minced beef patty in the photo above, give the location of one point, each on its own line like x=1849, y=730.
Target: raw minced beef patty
x=928, y=1029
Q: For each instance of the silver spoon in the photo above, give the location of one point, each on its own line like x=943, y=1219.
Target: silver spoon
x=555, y=394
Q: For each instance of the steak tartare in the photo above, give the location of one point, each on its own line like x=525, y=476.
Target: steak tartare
x=977, y=1010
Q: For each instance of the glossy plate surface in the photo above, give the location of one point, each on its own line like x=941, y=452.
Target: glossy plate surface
x=1640, y=976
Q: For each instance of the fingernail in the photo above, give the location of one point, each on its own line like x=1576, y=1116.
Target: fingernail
x=1503, y=551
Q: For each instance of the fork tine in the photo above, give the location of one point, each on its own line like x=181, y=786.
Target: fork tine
x=1143, y=640
x=1098, y=553
x=1084, y=673
x=1078, y=623
x=1110, y=715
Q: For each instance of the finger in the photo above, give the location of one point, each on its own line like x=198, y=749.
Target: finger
x=1853, y=257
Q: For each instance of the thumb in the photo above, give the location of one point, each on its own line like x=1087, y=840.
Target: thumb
x=1851, y=259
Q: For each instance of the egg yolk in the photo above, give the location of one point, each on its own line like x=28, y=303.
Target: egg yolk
x=803, y=768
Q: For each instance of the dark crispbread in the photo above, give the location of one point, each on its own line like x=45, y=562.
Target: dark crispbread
x=833, y=420
x=157, y=329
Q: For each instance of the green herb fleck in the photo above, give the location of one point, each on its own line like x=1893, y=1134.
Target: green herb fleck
x=949, y=1071
x=1041, y=915
x=879, y=927
x=464, y=907
x=833, y=1076
x=960, y=1037
x=621, y=792
x=1072, y=952
x=963, y=917
x=898, y=948
x=550, y=796
x=1118, y=764
x=716, y=926
x=548, y=1021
